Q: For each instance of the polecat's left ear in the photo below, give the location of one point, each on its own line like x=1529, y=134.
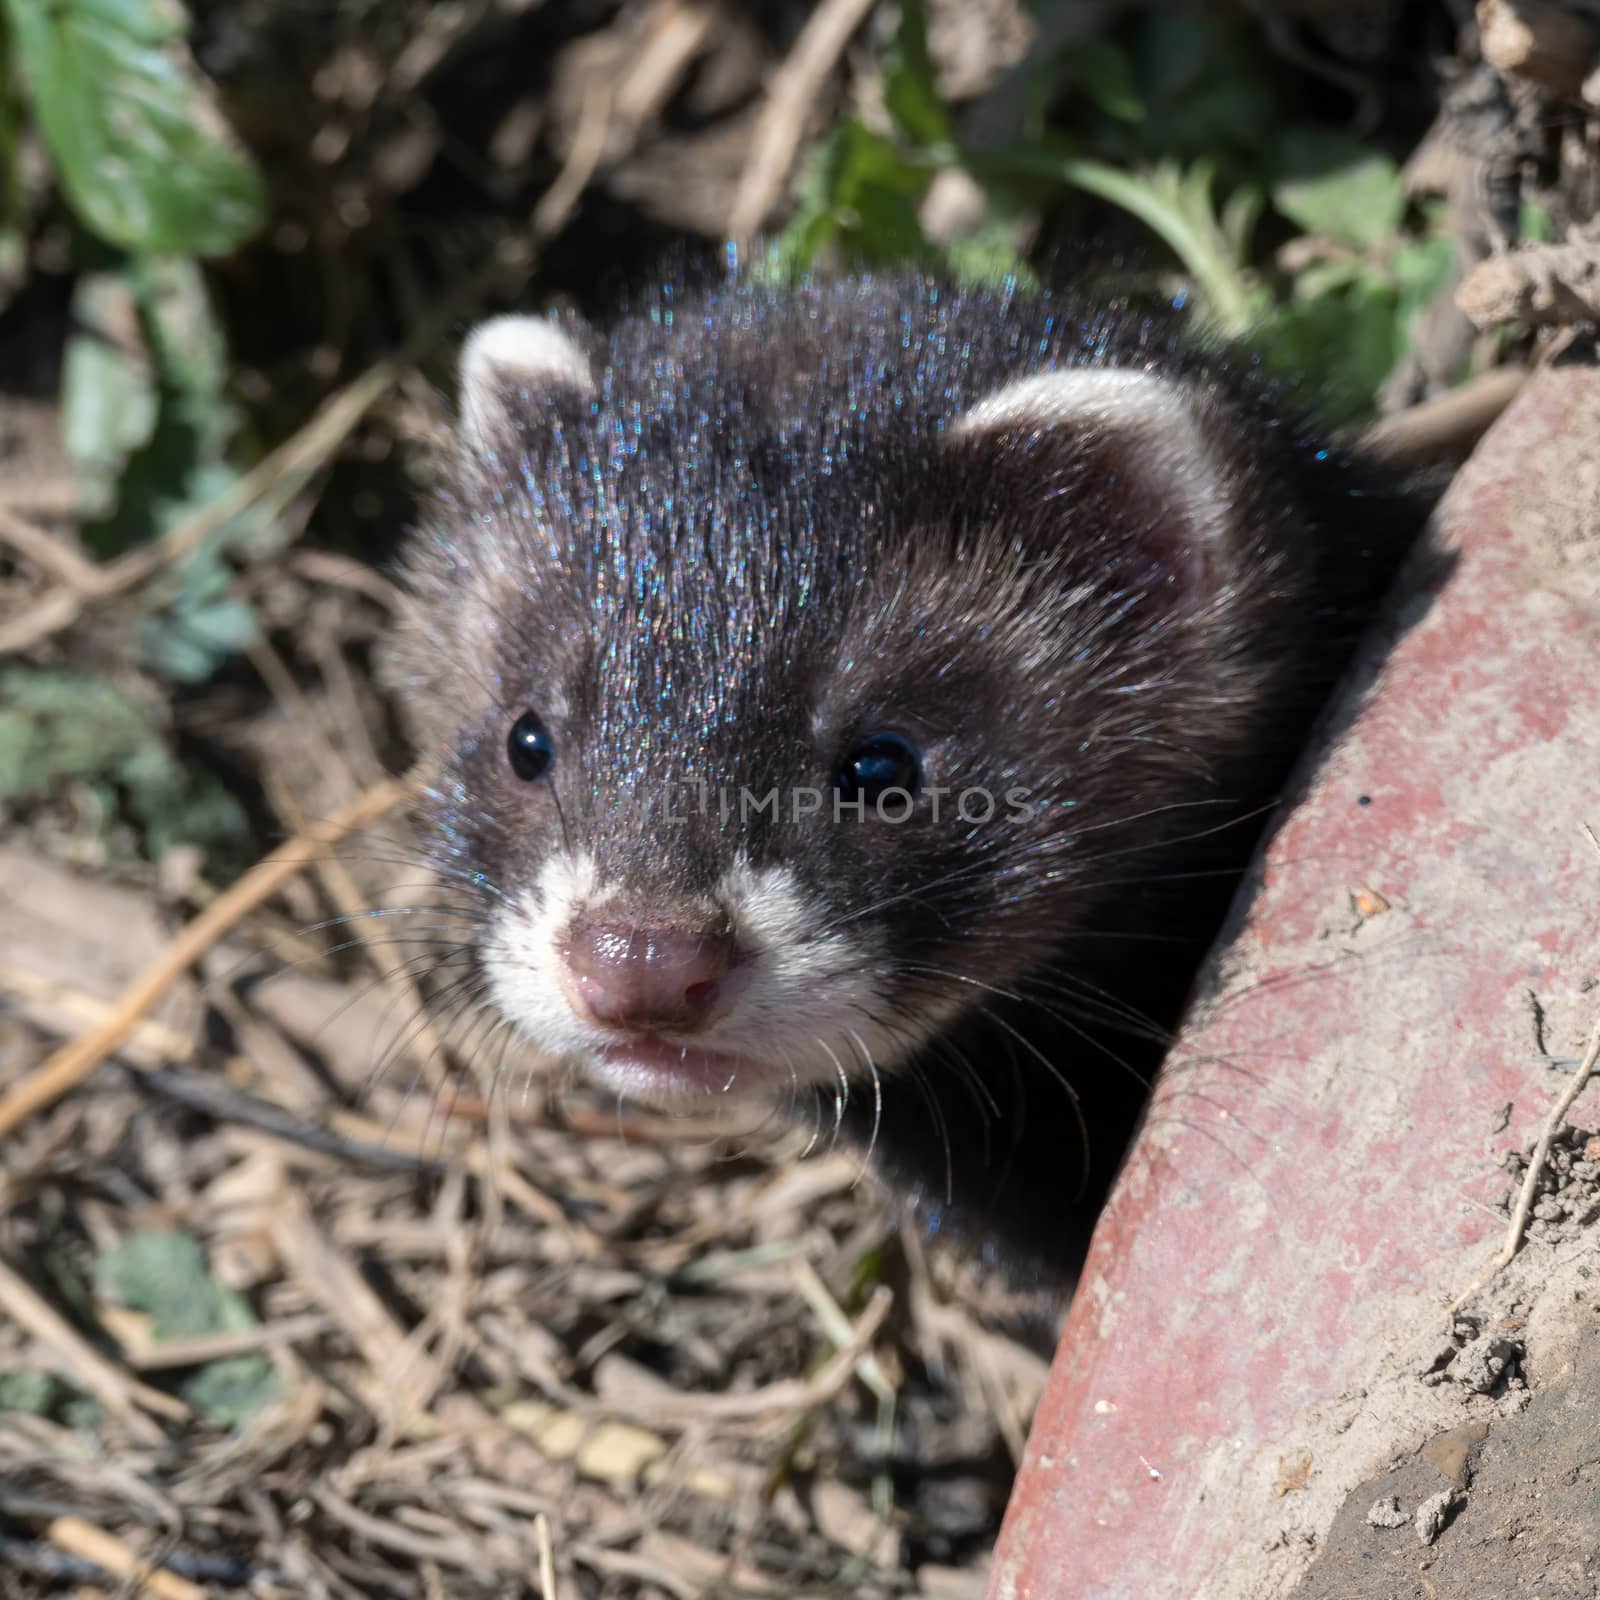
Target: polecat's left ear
x=1134, y=463
x=512, y=371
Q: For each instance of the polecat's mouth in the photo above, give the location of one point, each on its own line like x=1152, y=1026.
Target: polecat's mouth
x=655, y=1069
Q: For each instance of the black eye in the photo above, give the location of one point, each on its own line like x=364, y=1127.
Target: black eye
x=530, y=748
x=882, y=761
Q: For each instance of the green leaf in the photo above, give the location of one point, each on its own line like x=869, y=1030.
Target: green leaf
x=231, y=1391
x=1173, y=202
x=191, y=639
x=146, y=419
x=1240, y=214
x=14, y=190
x=149, y=427
x=910, y=90
x=795, y=251
x=187, y=344
x=1420, y=269
x=1337, y=187
x=989, y=256
x=138, y=143
x=1320, y=278
x=1533, y=223
x=1350, y=339
x=861, y=194
x=27, y=1389
x=56, y=725
x=178, y=807
x=109, y=402
x=165, y=1275
x=59, y=726
x=867, y=160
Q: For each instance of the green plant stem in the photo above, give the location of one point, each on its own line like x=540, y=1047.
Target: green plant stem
x=1216, y=276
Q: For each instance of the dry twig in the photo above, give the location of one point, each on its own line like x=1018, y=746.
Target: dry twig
x=199, y=1348
x=1449, y=424
x=787, y=1396
x=47, y=552
x=73, y=1062
x=121, y=1395
x=547, y=1557
x=1541, y=1152
x=104, y=1549
x=790, y=101
x=1530, y=1181
x=80, y=1538
x=284, y=470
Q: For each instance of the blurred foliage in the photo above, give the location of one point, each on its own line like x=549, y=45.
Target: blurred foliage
x=1179, y=112
x=60, y=726
x=151, y=173
x=141, y=151
x=148, y=428
x=27, y=1389
x=164, y=1274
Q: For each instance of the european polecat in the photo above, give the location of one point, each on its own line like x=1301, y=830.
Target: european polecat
x=864, y=696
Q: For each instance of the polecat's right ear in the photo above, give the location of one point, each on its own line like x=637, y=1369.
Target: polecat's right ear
x=512, y=369
x=1132, y=464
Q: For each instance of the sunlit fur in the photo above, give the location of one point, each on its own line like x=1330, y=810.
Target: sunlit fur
x=1058, y=548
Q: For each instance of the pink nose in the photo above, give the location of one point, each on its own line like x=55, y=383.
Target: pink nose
x=646, y=978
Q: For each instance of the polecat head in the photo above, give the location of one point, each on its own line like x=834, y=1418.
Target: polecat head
x=805, y=668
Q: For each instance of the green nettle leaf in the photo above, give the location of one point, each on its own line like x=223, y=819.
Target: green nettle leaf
x=1337, y=187
x=141, y=150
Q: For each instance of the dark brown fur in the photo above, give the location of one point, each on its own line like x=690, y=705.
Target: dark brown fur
x=761, y=540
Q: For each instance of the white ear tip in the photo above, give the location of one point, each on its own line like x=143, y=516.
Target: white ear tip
x=522, y=350
x=1164, y=418
x=1068, y=394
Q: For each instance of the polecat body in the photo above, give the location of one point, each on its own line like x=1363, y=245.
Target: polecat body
x=864, y=695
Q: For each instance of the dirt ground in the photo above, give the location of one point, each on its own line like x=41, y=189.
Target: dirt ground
x=1524, y=1518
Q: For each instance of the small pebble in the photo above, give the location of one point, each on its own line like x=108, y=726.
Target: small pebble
x=1482, y=1364
x=1436, y=1356
x=1386, y=1513
x=1434, y=1512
